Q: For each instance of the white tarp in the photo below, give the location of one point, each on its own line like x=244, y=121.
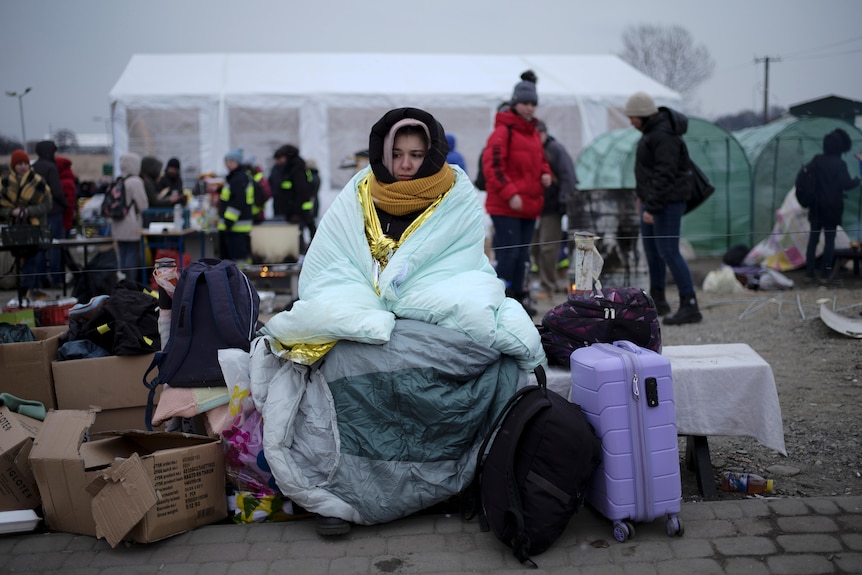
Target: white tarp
x=198, y=106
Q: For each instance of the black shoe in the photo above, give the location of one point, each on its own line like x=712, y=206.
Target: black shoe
x=688, y=312
x=527, y=302
x=331, y=526
x=661, y=305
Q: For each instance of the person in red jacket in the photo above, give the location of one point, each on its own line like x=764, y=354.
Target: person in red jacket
x=69, y=182
x=516, y=174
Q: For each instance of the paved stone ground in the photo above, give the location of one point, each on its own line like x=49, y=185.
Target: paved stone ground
x=751, y=536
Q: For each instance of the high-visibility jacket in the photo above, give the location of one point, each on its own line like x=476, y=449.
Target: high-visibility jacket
x=291, y=190
x=260, y=194
x=236, y=202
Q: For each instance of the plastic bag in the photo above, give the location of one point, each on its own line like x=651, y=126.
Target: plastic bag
x=722, y=281
x=247, y=507
x=242, y=438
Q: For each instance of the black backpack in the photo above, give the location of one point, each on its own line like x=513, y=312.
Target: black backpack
x=480, y=182
x=114, y=205
x=214, y=307
x=533, y=478
x=806, y=184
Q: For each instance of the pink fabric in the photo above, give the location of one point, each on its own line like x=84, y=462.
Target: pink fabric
x=188, y=402
x=389, y=140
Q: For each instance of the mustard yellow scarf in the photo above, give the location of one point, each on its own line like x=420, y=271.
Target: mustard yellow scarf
x=398, y=199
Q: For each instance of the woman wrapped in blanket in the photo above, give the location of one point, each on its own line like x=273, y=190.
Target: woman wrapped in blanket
x=403, y=240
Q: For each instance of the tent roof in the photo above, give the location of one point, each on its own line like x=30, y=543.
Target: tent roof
x=360, y=73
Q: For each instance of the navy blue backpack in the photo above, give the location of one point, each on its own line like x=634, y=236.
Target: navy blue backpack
x=214, y=307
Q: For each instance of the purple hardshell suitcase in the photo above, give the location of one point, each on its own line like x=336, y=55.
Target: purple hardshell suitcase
x=626, y=392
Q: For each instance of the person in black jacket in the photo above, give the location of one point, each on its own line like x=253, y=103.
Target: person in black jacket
x=158, y=197
x=292, y=194
x=171, y=182
x=235, y=210
x=46, y=167
x=547, y=238
x=663, y=184
x=825, y=214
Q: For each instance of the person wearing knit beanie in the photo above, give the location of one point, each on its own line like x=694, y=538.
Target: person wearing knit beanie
x=516, y=174
x=640, y=105
x=663, y=186
x=235, y=210
x=525, y=90
x=234, y=155
x=25, y=199
x=18, y=156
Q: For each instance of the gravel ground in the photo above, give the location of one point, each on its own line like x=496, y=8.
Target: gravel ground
x=817, y=374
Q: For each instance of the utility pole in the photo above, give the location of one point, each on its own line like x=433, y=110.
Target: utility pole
x=766, y=60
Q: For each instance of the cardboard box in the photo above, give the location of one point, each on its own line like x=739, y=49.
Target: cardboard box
x=17, y=486
x=26, y=367
x=131, y=485
x=114, y=384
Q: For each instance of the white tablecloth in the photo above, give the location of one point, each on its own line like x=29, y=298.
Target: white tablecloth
x=721, y=389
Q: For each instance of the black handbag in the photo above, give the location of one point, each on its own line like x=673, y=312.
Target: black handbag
x=701, y=187
x=25, y=235
x=28, y=237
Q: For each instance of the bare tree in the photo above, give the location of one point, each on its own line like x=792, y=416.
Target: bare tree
x=65, y=139
x=748, y=118
x=667, y=54
x=9, y=144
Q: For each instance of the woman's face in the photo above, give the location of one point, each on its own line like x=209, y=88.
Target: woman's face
x=408, y=153
x=525, y=110
x=22, y=168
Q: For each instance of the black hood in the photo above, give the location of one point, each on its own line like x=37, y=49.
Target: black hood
x=46, y=149
x=151, y=167
x=836, y=142
x=434, y=160
x=677, y=120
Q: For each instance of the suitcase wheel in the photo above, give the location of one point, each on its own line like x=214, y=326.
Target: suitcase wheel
x=674, y=526
x=623, y=531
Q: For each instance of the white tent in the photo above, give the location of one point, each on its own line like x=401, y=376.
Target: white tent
x=196, y=107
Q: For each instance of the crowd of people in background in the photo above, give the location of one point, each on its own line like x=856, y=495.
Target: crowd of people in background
x=527, y=174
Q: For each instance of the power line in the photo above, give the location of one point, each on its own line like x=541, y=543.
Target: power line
x=827, y=55
x=832, y=45
x=801, y=55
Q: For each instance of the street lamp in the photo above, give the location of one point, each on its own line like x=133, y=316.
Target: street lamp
x=107, y=128
x=21, y=111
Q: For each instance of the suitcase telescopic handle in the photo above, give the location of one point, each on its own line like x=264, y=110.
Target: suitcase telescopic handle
x=628, y=345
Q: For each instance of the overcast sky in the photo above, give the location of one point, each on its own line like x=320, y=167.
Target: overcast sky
x=71, y=52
